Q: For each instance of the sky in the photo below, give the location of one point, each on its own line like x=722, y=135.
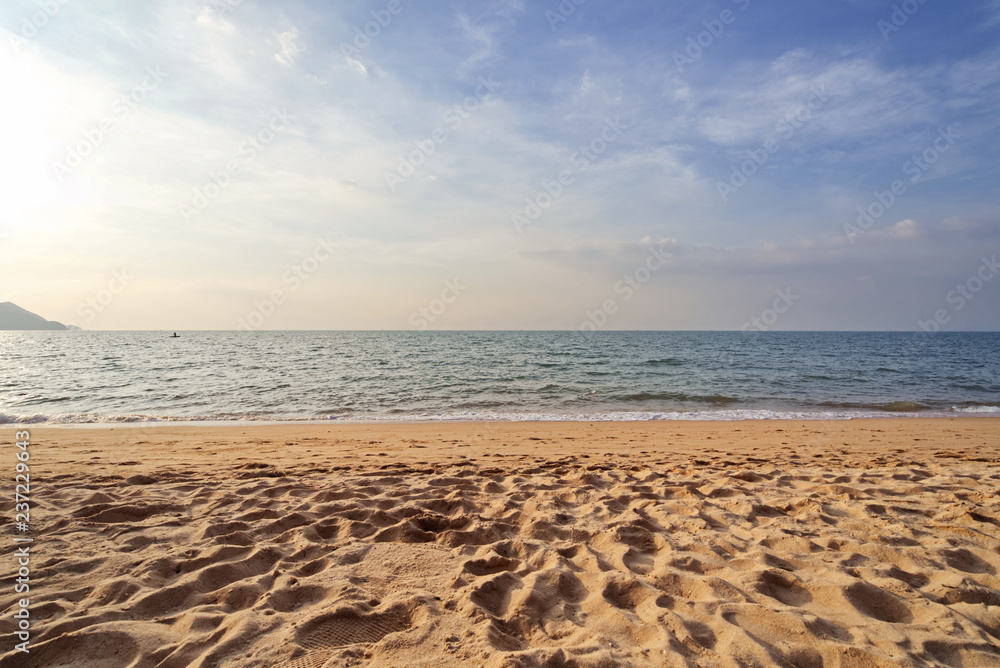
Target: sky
x=507, y=164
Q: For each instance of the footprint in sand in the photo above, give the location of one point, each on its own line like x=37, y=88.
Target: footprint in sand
x=490, y=565
x=783, y=587
x=349, y=627
x=877, y=603
x=322, y=635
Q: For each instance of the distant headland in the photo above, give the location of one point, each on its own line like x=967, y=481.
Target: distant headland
x=13, y=316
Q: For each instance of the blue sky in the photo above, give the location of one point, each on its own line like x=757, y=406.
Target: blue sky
x=223, y=164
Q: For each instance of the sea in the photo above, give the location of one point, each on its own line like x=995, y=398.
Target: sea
x=102, y=377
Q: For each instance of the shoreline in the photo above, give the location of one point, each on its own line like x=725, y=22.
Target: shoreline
x=240, y=422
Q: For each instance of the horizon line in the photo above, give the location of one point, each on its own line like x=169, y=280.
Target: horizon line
x=566, y=331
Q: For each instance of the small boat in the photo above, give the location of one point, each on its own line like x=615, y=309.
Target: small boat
x=175, y=336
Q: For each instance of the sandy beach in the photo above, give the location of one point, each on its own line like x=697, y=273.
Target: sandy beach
x=848, y=543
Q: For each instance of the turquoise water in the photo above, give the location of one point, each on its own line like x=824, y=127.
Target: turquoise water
x=125, y=376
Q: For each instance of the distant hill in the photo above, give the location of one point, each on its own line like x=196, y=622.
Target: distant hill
x=13, y=316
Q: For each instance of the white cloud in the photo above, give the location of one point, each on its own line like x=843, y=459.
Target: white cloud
x=904, y=229
x=290, y=47
x=357, y=65
x=850, y=98
x=211, y=20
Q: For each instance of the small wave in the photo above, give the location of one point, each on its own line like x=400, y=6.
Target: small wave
x=974, y=388
x=976, y=409
x=666, y=361
x=37, y=418
x=679, y=396
x=887, y=407
x=902, y=407
x=885, y=369
x=627, y=416
x=40, y=418
x=49, y=400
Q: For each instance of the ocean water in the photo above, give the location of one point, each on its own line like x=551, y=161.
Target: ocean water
x=136, y=376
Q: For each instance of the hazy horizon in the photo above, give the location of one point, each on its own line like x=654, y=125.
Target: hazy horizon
x=502, y=166
x=607, y=330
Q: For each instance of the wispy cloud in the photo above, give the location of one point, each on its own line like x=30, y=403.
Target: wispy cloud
x=289, y=47
x=358, y=113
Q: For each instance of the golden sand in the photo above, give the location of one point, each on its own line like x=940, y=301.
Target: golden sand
x=856, y=543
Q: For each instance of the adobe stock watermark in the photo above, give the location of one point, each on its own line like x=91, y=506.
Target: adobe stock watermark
x=899, y=17
x=785, y=129
x=714, y=28
x=381, y=18
x=454, y=117
x=293, y=279
x=783, y=301
x=918, y=165
x=580, y=161
x=565, y=10
x=961, y=295
x=92, y=306
x=93, y=137
x=245, y=154
x=627, y=288
x=32, y=25
x=425, y=315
